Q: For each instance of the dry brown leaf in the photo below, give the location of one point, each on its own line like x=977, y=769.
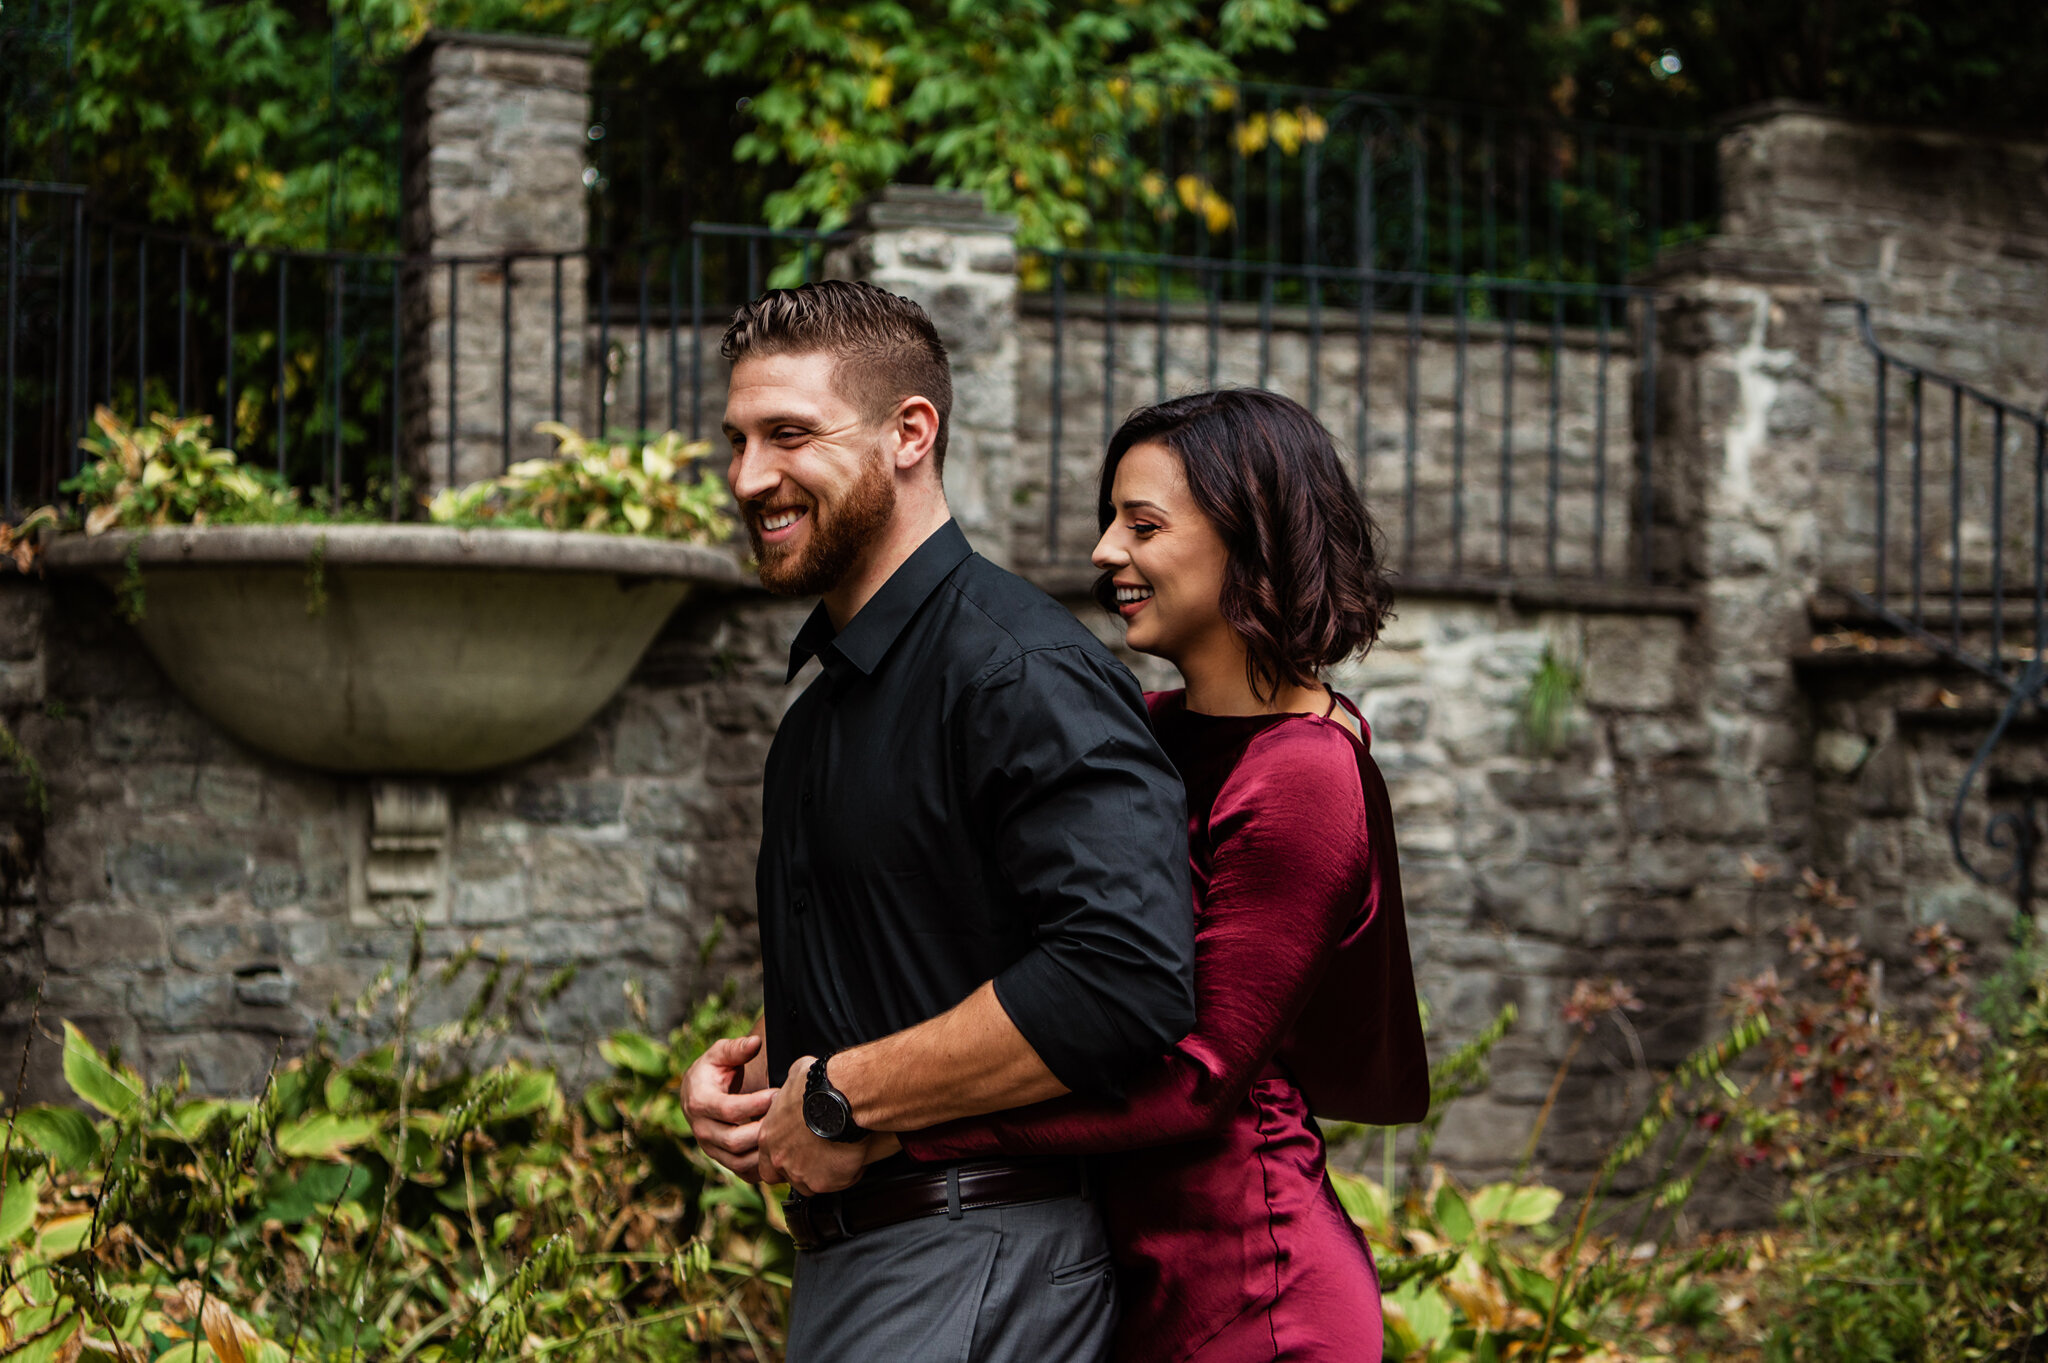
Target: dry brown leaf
x=101, y=518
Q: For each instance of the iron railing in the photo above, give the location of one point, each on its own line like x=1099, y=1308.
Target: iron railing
x=312, y=363
x=1959, y=559
x=1503, y=442
x=1284, y=174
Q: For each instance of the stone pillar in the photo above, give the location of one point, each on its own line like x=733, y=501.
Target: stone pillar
x=496, y=132
x=942, y=248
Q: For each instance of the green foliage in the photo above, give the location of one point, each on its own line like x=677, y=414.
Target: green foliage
x=1545, y=722
x=1485, y=1275
x=169, y=472
x=1924, y=1205
x=404, y=1203
x=628, y=488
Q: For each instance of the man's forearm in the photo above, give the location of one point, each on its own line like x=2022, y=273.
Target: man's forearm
x=968, y=1060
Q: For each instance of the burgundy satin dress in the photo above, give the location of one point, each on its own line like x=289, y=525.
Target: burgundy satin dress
x=1230, y=1244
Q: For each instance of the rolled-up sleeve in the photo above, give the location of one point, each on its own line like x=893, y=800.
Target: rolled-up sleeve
x=1089, y=832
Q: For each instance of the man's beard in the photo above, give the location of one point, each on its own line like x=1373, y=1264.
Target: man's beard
x=836, y=538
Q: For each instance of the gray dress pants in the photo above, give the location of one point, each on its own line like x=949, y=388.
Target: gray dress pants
x=1026, y=1284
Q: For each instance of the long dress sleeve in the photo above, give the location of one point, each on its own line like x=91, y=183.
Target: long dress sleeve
x=1287, y=868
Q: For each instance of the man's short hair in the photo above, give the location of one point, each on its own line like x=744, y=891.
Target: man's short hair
x=886, y=347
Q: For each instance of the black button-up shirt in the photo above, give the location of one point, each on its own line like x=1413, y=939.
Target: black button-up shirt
x=970, y=791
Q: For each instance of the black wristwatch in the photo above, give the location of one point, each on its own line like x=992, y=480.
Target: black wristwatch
x=826, y=1111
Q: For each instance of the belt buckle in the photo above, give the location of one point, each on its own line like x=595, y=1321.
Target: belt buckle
x=810, y=1210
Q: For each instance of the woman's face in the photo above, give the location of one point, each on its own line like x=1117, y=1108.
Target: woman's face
x=1165, y=558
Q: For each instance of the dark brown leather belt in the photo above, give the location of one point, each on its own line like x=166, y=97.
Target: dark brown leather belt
x=831, y=1217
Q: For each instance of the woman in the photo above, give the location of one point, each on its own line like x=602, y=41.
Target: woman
x=1234, y=547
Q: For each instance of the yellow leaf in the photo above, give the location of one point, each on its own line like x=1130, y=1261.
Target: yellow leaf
x=637, y=515
x=1251, y=135
x=1314, y=127
x=154, y=473
x=1190, y=189
x=879, y=90
x=1287, y=131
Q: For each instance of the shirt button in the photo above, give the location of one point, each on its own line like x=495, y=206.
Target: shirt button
x=806, y=797
x=803, y=904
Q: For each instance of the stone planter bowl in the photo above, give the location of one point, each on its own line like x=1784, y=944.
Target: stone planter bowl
x=435, y=650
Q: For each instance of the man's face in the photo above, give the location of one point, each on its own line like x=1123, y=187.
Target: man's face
x=814, y=483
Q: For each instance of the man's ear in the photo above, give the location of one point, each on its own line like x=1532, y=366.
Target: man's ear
x=914, y=429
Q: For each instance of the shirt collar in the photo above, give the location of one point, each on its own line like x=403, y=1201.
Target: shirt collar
x=876, y=626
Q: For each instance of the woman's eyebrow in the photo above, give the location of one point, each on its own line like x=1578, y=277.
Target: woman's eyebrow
x=1140, y=504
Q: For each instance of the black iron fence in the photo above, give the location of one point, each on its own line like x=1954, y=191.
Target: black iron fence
x=1500, y=427
x=1959, y=556
x=1274, y=174
x=351, y=374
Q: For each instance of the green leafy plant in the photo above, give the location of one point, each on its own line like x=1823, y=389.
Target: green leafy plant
x=1918, y=1142
x=625, y=488
x=1484, y=1275
x=400, y=1204
x=169, y=472
x=1545, y=722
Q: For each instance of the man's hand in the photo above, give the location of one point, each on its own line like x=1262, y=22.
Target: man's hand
x=725, y=1117
x=790, y=1154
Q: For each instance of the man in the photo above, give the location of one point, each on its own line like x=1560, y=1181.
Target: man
x=973, y=873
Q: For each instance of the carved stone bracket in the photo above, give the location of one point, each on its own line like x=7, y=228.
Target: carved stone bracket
x=407, y=862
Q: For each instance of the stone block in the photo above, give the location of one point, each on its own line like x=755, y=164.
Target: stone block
x=1839, y=754
x=226, y=944
x=177, y=865
x=22, y=608
x=586, y=804
x=181, y=1001
x=585, y=878
x=231, y=795
x=1402, y=718
x=222, y=1064
x=1888, y=784
x=1633, y=662
x=660, y=733
x=1530, y=896
x=476, y=903
x=95, y=937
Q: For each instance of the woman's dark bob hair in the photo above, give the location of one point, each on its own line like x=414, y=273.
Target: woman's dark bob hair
x=1304, y=587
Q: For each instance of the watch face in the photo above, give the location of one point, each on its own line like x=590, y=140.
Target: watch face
x=826, y=1114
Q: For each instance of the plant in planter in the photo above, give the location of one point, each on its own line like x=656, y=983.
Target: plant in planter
x=592, y=485
x=321, y=633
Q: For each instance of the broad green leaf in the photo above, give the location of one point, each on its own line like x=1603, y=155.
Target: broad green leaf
x=1425, y=1311
x=530, y=1092
x=65, y=1134
x=1363, y=1200
x=18, y=1206
x=113, y=1091
x=64, y=1234
x=632, y=1051
x=1507, y=1204
x=1453, y=1217
x=49, y=1346
x=324, y=1135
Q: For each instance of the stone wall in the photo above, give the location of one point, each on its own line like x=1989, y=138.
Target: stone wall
x=198, y=903
x=192, y=901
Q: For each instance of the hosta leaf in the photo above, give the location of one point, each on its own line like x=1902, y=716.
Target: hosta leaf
x=632, y=1051
x=65, y=1134
x=1363, y=1200
x=1453, y=1217
x=112, y=1090
x=529, y=1093
x=1507, y=1204
x=18, y=1206
x=324, y=1135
